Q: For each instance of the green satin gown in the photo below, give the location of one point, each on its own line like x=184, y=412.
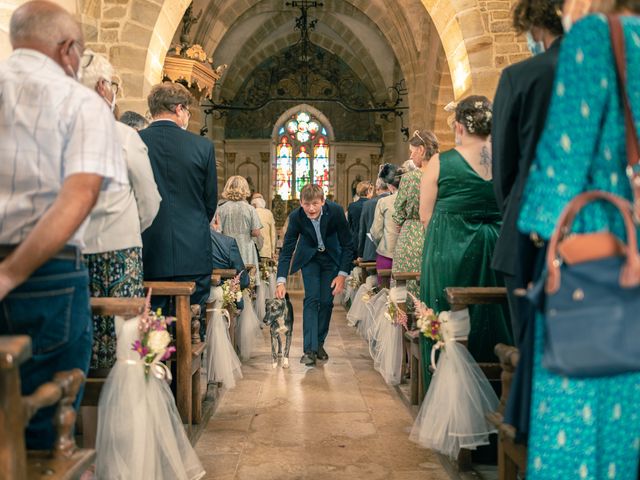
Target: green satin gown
x=458, y=246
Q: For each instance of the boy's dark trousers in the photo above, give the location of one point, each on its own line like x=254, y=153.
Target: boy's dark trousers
x=317, y=276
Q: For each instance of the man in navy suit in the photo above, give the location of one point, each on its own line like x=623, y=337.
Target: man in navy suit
x=319, y=234
x=177, y=245
x=226, y=255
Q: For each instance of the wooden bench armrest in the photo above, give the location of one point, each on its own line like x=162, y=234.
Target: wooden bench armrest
x=171, y=288
x=475, y=295
x=366, y=265
x=14, y=351
x=406, y=276
x=509, y=356
x=385, y=272
x=224, y=272
x=125, y=307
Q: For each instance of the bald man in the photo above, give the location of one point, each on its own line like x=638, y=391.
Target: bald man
x=58, y=148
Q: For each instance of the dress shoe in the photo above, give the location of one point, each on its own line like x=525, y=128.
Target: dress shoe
x=308, y=359
x=322, y=353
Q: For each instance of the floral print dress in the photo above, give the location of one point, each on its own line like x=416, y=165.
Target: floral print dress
x=407, y=256
x=583, y=428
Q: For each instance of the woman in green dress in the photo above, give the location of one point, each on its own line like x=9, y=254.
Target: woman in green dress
x=408, y=251
x=458, y=206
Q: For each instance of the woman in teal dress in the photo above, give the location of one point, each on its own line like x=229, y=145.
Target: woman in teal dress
x=458, y=205
x=583, y=428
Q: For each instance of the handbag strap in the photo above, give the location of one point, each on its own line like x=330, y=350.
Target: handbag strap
x=633, y=150
x=630, y=273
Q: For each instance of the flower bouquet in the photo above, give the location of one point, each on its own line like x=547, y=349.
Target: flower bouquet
x=251, y=289
x=154, y=345
x=395, y=314
x=231, y=294
x=427, y=321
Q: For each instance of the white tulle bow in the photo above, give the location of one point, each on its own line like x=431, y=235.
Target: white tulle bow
x=454, y=326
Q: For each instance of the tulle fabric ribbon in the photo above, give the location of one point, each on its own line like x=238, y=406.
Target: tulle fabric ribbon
x=454, y=326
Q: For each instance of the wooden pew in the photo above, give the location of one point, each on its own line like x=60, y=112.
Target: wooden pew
x=189, y=348
x=460, y=298
x=512, y=457
x=368, y=268
x=411, y=344
x=385, y=278
x=65, y=461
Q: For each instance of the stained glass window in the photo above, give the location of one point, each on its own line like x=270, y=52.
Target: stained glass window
x=303, y=170
x=284, y=170
x=321, y=165
x=304, y=138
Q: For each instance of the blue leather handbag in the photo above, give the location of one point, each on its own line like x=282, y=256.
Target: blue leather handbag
x=592, y=301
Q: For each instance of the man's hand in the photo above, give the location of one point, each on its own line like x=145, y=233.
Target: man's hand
x=337, y=285
x=281, y=291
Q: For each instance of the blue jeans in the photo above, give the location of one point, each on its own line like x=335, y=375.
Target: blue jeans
x=317, y=276
x=52, y=307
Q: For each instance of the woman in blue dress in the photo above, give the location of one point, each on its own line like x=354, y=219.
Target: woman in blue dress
x=584, y=428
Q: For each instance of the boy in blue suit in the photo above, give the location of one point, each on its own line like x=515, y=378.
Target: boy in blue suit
x=318, y=241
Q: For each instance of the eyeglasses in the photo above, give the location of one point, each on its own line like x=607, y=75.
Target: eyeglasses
x=186, y=110
x=115, y=88
x=84, y=57
x=417, y=134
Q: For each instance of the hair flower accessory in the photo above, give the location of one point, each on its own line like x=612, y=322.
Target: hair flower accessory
x=154, y=345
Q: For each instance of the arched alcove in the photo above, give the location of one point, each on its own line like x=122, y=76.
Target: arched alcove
x=310, y=143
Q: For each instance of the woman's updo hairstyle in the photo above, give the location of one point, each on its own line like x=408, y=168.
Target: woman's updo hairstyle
x=389, y=173
x=426, y=139
x=474, y=112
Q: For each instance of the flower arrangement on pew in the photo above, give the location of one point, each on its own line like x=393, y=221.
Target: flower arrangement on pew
x=395, y=314
x=154, y=345
x=265, y=272
x=251, y=289
x=231, y=294
x=427, y=321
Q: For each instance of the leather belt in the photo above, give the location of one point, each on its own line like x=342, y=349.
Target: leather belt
x=67, y=253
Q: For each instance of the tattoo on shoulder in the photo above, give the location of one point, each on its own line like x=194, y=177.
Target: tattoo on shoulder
x=485, y=160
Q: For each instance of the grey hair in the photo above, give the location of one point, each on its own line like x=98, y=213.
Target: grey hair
x=259, y=202
x=380, y=184
x=42, y=22
x=134, y=120
x=98, y=69
x=408, y=166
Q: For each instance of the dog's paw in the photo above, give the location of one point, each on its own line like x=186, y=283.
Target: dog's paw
x=285, y=362
x=274, y=365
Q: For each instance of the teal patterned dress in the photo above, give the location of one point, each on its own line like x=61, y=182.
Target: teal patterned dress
x=583, y=428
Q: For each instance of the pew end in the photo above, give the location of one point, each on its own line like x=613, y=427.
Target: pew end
x=65, y=460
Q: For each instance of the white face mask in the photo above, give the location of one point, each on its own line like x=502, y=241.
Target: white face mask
x=567, y=23
x=185, y=126
x=534, y=47
x=112, y=105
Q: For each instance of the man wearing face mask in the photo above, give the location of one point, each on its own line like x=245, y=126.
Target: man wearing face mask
x=58, y=147
x=177, y=245
x=519, y=114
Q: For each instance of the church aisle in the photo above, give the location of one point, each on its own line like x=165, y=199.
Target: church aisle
x=338, y=420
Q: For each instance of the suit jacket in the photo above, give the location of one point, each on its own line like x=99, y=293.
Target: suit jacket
x=301, y=243
x=366, y=248
x=354, y=211
x=519, y=113
x=226, y=254
x=184, y=166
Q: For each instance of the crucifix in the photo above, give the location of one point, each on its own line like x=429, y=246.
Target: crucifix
x=305, y=26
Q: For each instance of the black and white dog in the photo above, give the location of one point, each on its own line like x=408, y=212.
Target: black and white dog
x=279, y=317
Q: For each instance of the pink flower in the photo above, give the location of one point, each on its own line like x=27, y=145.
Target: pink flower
x=168, y=352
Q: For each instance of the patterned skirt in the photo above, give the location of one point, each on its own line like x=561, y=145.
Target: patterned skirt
x=112, y=274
